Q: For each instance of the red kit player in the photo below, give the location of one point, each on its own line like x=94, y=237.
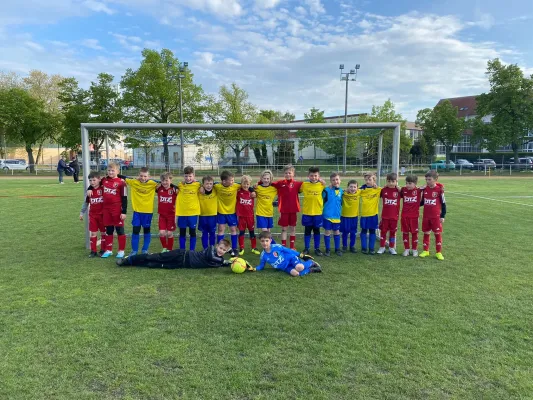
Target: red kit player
x=411, y=196
x=245, y=214
x=434, y=213
x=95, y=202
x=390, y=213
x=166, y=208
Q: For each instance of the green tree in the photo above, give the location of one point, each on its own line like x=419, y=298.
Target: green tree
x=442, y=125
x=283, y=153
x=8, y=80
x=312, y=137
x=509, y=103
x=26, y=120
x=145, y=140
x=151, y=94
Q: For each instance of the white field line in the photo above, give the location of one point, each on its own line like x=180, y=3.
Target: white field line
x=491, y=199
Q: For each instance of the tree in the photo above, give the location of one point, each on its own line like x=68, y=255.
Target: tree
x=25, y=119
x=8, y=80
x=509, y=103
x=151, y=94
x=146, y=140
x=283, y=149
x=311, y=137
x=442, y=125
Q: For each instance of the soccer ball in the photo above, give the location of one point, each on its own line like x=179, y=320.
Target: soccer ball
x=238, y=266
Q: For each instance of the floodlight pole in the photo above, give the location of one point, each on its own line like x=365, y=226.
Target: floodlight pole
x=182, y=141
x=345, y=76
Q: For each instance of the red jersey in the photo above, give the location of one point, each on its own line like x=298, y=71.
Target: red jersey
x=411, y=202
x=114, y=190
x=96, y=201
x=166, y=200
x=434, y=203
x=245, y=204
x=391, y=203
x=288, y=198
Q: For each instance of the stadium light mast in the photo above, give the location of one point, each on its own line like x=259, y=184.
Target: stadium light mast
x=181, y=75
x=347, y=77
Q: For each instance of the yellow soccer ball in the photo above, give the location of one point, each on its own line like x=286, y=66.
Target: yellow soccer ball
x=238, y=266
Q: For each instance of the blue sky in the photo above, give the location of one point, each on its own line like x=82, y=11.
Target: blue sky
x=284, y=53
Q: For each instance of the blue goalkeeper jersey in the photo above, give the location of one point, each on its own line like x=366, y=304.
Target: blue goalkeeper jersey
x=279, y=257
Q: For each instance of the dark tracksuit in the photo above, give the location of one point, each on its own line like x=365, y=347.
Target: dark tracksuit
x=179, y=258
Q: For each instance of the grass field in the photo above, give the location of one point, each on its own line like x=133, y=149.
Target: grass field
x=378, y=327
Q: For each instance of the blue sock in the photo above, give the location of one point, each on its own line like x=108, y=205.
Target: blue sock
x=219, y=238
x=135, y=237
x=205, y=240
x=353, y=238
x=327, y=242
x=192, y=243
x=183, y=240
x=337, y=241
x=364, y=241
x=372, y=241
x=212, y=238
x=344, y=239
x=392, y=242
x=234, y=241
x=307, y=241
x=146, y=242
x=316, y=237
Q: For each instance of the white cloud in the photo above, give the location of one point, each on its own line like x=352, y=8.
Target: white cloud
x=205, y=58
x=34, y=46
x=484, y=20
x=231, y=61
x=91, y=44
x=128, y=41
x=152, y=44
x=315, y=6
x=267, y=3
x=98, y=6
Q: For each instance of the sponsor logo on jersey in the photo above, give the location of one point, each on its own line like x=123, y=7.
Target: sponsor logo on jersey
x=96, y=200
x=110, y=191
x=165, y=200
x=391, y=202
x=413, y=199
x=278, y=262
x=430, y=202
x=245, y=202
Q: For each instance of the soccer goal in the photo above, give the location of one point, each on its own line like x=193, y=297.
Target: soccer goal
x=241, y=148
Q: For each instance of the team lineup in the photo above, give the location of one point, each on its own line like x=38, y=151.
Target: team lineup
x=209, y=206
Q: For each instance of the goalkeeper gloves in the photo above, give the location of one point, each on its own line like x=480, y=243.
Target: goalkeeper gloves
x=250, y=267
x=305, y=257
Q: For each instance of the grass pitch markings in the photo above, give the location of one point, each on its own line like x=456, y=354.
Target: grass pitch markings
x=491, y=199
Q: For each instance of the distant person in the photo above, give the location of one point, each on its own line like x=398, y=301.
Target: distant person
x=75, y=165
x=61, y=167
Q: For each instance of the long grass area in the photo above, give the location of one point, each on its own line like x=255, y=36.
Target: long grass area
x=369, y=327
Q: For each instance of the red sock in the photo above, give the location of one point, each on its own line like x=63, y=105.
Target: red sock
x=382, y=238
x=163, y=240
x=241, y=241
x=103, y=238
x=284, y=242
x=121, y=242
x=292, y=241
x=426, y=241
x=406, y=241
x=170, y=243
x=438, y=240
x=253, y=242
x=414, y=238
x=93, y=244
x=109, y=242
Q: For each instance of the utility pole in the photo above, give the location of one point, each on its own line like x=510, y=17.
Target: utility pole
x=347, y=76
x=181, y=75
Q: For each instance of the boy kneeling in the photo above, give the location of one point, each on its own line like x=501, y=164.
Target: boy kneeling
x=282, y=258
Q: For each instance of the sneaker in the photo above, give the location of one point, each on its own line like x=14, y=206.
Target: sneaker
x=415, y=253
x=371, y=253
x=338, y=252
x=344, y=248
x=318, y=252
x=107, y=253
x=423, y=254
x=364, y=251
x=257, y=252
x=327, y=253
x=439, y=256
x=306, y=252
x=133, y=253
x=241, y=252
x=144, y=252
x=316, y=268
x=120, y=254
x=233, y=253
x=406, y=252
x=61, y=183
x=164, y=250
x=353, y=250
x=93, y=254
x=101, y=252
x=392, y=250
x=381, y=250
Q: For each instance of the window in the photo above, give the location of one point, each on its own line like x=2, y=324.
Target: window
x=176, y=157
x=152, y=157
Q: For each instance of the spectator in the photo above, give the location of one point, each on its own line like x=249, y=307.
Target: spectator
x=61, y=167
x=75, y=165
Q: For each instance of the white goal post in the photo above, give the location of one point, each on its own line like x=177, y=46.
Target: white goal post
x=86, y=127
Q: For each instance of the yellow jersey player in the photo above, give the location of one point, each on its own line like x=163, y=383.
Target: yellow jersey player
x=264, y=211
x=208, y=212
x=188, y=207
x=350, y=215
x=312, y=208
x=370, y=195
x=227, y=201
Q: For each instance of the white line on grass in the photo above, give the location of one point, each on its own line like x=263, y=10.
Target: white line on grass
x=488, y=198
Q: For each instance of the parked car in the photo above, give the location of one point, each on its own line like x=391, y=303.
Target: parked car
x=123, y=163
x=524, y=163
x=484, y=163
x=464, y=164
x=13, y=165
x=441, y=164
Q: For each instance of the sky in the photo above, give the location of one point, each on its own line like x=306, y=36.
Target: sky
x=285, y=54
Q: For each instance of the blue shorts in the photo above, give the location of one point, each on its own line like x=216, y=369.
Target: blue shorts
x=369, y=222
x=293, y=262
x=331, y=226
x=265, y=222
x=187, y=222
x=142, y=219
x=349, y=224
x=314, y=221
x=208, y=224
x=227, y=219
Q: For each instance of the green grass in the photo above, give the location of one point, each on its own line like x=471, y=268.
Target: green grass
x=368, y=327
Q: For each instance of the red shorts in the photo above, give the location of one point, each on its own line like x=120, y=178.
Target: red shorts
x=167, y=222
x=112, y=216
x=409, y=225
x=388, y=225
x=96, y=223
x=433, y=224
x=288, y=219
x=246, y=223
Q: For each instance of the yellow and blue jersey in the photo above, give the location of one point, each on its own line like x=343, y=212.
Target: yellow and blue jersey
x=265, y=198
x=188, y=203
x=313, y=203
x=208, y=204
x=369, y=201
x=227, y=197
x=350, y=204
x=142, y=195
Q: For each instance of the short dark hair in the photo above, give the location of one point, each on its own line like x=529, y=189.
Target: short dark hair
x=352, y=182
x=225, y=175
x=411, y=179
x=207, y=178
x=333, y=175
x=188, y=170
x=144, y=169
x=94, y=174
x=432, y=173
x=265, y=235
x=393, y=176
x=313, y=170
